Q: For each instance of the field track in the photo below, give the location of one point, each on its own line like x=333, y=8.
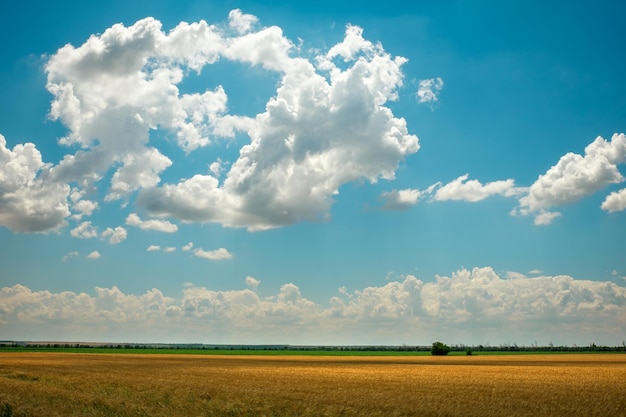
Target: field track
x=68, y=384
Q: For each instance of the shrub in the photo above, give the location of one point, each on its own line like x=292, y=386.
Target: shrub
x=440, y=349
x=6, y=410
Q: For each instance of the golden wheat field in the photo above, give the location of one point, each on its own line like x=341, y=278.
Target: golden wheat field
x=68, y=384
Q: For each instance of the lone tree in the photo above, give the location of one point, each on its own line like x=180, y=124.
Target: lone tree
x=440, y=349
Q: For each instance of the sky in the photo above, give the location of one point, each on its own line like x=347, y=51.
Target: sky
x=327, y=172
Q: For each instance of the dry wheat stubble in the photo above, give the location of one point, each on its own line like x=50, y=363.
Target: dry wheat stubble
x=201, y=385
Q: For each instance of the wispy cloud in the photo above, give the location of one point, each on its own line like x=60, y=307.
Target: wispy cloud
x=69, y=256
x=157, y=248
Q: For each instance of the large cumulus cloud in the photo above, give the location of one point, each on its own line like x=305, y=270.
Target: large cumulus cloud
x=325, y=127
x=29, y=201
x=327, y=124
x=576, y=176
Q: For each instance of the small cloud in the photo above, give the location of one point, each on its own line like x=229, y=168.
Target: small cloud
x=69, y=256
x=615, y=273
x=213, y=255
x=153, y=248
x=188, y=247
x=546, y=217
x=515, y=275
x=84, y=231
x=252, y=283
x=400, y=199
x=169, y=249
x=535, y=272
x=114, y=236
x=216, y=168
x=157, y=225
x=83, y=208
x=462, y=189
x=94, y=255
x=241, y=22
x=616, y=201
x=428, y=90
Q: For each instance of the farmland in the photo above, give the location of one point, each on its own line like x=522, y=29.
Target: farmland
x=94, y=384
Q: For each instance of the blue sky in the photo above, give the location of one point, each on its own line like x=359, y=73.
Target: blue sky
x=336, y=172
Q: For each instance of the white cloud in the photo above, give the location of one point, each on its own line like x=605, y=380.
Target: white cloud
x=85, y=230
x=115, y=236
x=241, y=22
x=296, y=159
x=216, y=168
x=352, y=46
x=94, y=255
x=252, y=283
x=574, y=177
x=515, y=275
x=544, y=218
x=213, y=255
x=81, y=207
x=29, y=201
x=470, y=306
x=400, y=199
x=460, y=189
x=69, y=256
x=474, y=190
x=157, y=225
x=169, y=249
x=153, y=248
x=139, y=170
x=118, y=86
x=616, y=201
x=428, y=90
x=188, y=247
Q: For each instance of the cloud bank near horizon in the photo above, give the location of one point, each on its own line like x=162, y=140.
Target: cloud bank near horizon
x=478, y=306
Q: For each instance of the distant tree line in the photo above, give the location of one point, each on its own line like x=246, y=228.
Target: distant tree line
x=437, y=347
